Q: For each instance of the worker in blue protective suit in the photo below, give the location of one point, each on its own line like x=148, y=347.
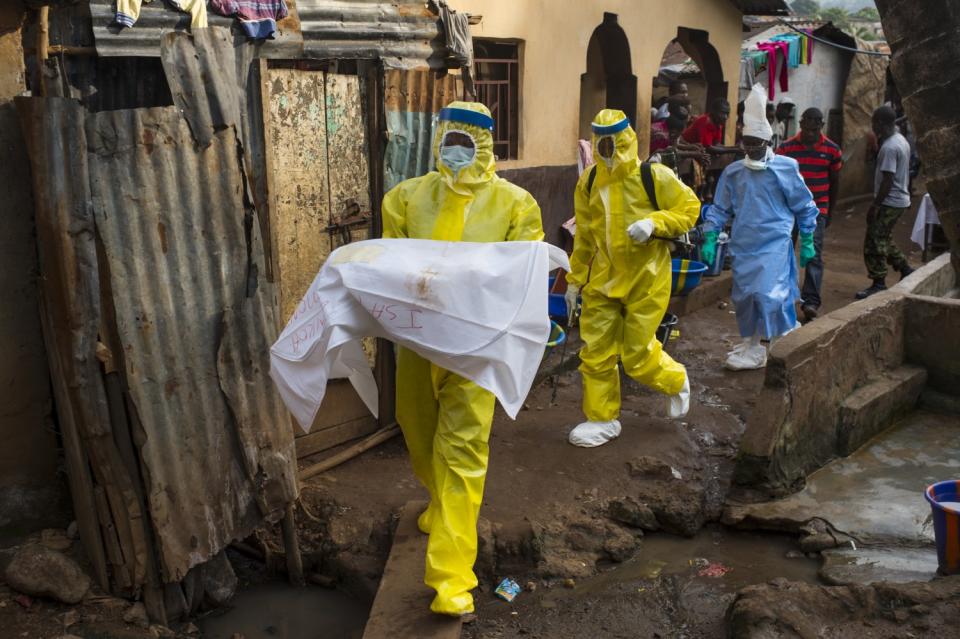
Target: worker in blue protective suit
x=767, y=195
x=445, y=418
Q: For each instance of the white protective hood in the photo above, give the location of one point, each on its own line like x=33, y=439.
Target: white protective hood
x=755, y=122
x=476, y=309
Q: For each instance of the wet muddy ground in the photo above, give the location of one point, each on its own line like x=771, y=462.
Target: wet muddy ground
x=674, y=587
x=631, y=525
x=605, y=517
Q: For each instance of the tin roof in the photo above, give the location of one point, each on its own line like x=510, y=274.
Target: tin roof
x=401, y=31
x=763, y=7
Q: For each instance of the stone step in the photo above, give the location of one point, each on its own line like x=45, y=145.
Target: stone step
x=402, y=605
x=874, y=408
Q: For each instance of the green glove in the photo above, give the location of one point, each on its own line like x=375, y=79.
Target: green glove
x=807, y=249
x=708, y=250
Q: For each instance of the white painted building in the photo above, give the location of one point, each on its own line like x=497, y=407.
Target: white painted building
x=820, y=84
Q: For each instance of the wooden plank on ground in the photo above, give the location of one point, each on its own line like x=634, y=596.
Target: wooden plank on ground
x=327, y=438
x=402, y=605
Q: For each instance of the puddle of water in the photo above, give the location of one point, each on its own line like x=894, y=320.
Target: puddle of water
x=736, y=559
x=280, y=611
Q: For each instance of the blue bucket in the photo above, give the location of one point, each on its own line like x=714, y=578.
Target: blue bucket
x=686, y=275
x=556, y=304
x=946, y=523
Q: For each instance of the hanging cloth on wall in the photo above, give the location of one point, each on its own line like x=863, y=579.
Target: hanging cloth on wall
x=772, y=49
x=128, y=11
x=793, y=47
x=258, y=18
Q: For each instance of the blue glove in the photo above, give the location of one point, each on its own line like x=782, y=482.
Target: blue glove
x=708, y=250
x=807, y=250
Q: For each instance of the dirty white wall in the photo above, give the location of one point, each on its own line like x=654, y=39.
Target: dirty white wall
x=555, y=36
x=817, y=85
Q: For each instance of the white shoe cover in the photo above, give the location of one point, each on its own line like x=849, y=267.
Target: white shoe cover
x=748, y=355
x=679, y=404
x=592, y=434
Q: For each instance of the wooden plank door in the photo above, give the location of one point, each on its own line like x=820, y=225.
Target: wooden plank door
x=316, y=138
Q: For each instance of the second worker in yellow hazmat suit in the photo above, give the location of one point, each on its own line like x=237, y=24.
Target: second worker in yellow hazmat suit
x=624, y=275
x=446, y=419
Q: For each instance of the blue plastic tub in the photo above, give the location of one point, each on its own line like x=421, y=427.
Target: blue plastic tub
x=944, y=498
x=556, y=304
x=686, y=275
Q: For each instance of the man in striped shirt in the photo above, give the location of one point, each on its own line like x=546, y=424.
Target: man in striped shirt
x=820, y=161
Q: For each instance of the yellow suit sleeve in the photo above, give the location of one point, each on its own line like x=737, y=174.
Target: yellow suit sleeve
x=393, y=213
x=584, y=245
x=680, y=206
x=526, y=223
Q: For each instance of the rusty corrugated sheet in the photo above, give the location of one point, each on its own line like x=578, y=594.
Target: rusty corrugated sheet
x=412, y=99
x=157, y=19
x=201, y=69
x=70, y=286
x=216, y=448
x=401, y=30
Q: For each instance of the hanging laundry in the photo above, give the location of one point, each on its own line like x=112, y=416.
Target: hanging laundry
x=809, y=40
x=747, y=74
x=258, y=18
x=793, y=47
x=759, y=59
x=128, y=11
x=772, y=49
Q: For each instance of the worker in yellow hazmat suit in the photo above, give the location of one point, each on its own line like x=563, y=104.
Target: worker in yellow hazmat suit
x=623, y=272
x=445, y=418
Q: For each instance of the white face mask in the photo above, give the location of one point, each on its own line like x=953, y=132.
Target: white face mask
x=456, y=157
x=758, y=165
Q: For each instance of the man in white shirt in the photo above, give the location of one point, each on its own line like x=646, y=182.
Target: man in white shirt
x=891, y=199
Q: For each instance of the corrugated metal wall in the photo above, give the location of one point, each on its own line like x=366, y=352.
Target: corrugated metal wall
x=170, y=215
x=404, y=31
x=157, y=19
x=412, y=99
x=159, y=320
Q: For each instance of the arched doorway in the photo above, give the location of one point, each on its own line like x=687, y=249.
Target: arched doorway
x=609, y=81
x=691, y=59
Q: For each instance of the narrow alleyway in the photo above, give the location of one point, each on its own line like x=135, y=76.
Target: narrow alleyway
x=553, y=512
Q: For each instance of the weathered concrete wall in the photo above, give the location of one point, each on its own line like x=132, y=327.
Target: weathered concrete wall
x=935, y=279
x=554, y=55
x=796, y=426
x=552, y=188
x=837, y=382
x=933, y=340
x=31, y=494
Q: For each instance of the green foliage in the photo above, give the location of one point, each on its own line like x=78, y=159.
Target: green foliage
x=839, y=17
x=867, y=13
x=806, y=7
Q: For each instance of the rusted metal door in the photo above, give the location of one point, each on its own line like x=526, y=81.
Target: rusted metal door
x=317, y=163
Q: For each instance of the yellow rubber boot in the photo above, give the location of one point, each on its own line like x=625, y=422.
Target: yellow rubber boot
x=460, y=454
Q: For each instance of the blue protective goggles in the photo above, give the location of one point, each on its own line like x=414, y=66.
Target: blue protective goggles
x=610, y=129
x=466, y=116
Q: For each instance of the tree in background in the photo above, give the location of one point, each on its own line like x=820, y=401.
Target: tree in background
x=806, y=7
x=867, y=13
x=925, y=40
x=838, y=16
